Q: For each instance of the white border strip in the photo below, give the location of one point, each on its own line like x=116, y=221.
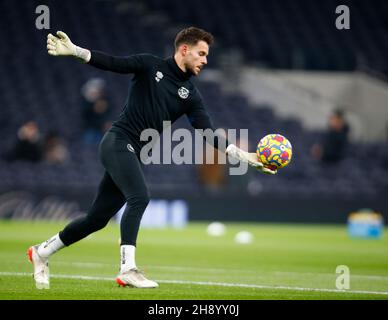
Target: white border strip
x=203, y=283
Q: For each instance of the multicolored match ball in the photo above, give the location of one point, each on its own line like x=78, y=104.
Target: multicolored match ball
x=274, y=151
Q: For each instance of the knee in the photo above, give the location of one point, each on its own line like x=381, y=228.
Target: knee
x=139, y=201
x=97, y=224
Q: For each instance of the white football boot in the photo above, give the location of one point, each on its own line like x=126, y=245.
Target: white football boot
x=41, y=268
x=135, y=278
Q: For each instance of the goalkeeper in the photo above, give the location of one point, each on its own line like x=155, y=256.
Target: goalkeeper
x=161, y=91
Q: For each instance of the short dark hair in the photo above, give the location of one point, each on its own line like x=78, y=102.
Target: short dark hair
x=339, y=112
x=192, y=35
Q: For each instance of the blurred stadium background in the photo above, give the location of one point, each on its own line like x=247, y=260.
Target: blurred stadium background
x=277, y=66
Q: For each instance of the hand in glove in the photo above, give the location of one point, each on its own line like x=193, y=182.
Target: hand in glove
x=250, y=158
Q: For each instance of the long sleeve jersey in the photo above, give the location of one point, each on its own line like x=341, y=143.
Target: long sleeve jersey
x=160, y=91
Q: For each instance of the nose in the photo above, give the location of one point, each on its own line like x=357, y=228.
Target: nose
x=204, y=61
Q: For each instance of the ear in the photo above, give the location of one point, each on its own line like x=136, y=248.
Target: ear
x=184, y=48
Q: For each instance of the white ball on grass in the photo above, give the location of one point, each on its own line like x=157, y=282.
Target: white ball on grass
x=243, y=237
x=216, y=229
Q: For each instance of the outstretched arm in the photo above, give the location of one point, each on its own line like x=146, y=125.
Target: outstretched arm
x=251, y=158
x=61, y=45
x=200, y=119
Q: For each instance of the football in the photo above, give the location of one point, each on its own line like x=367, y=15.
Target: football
x=274, y=151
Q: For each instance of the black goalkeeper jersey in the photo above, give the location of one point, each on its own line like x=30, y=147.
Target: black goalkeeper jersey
x=160, y=91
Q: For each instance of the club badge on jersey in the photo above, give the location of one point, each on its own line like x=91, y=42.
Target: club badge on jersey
x=183, y=92
x=159, y=76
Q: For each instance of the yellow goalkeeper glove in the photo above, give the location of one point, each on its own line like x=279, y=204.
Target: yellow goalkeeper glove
x=61, y=45
x=250, y=158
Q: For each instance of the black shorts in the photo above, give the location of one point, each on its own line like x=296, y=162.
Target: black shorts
x=122, y=163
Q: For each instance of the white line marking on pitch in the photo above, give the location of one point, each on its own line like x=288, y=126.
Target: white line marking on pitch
x=359, y=276
x=217, y=270
x=204, y=283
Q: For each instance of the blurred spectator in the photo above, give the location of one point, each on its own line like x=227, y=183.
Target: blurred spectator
x=240, y=183
x=96, y=112
x=212, y=172
x=215, y=175
x=335, y=140
x=55, y=150
x=28, y=144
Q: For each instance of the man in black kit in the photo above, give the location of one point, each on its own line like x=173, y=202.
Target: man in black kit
x=161, y=91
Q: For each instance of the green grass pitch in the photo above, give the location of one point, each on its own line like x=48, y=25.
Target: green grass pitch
x=284, y=262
